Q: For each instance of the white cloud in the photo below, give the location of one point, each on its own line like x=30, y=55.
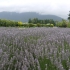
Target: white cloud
x=55, y=7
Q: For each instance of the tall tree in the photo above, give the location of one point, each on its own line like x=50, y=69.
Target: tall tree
x=69, y=16
x=35, y=20
x=29, y=21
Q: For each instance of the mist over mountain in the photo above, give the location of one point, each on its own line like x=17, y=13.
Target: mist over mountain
x=24, y=17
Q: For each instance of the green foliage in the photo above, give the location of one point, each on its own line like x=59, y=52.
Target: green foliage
x=43, y=25
x=38, y=25
x=36, y=20
x=48, y=25
x=51, y=25
x=64, y=63
x=69, y=16
x=29, y=21
x=68, y=25
x=8, y=23
x=43, y=62
x=25, y=25
x=20, y=23
x=63, y=23
x=59, y=24
x=31, y=25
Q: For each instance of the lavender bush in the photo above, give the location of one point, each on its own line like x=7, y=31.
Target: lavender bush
x=34, y=48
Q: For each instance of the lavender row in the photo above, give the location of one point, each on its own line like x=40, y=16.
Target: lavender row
x=34, y=48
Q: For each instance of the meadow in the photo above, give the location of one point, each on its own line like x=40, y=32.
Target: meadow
x=34, y=48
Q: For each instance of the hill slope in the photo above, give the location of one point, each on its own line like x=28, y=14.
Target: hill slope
x=24, y=17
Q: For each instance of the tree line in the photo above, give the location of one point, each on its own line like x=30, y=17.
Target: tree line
x=36, y=23
x=46, y=21
x=7, y=23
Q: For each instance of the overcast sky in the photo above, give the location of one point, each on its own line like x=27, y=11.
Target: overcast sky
x=55, y=7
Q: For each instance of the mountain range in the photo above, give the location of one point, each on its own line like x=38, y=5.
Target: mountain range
x=24, y=17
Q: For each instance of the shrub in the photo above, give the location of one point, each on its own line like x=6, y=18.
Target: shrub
x=38, y=25
x=63, y=23
x=48, y=25
x=20, y=23
x=25, y=25
x=43, y=25
x=51, y=25
x=68, y=25
x=59, y=24
x=31, y=25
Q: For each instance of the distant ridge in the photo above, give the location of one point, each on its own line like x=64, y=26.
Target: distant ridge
x=24, y=17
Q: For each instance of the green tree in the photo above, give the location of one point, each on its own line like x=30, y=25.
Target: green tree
x=69, y=16
x=29, y=21
x=35, y=20
x=64, y=23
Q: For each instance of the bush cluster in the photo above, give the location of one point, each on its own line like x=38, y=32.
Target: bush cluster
x=38, y=25
x=63, y=23
x=9, y=23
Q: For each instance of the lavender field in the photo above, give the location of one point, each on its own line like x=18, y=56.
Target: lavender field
x=34, y=48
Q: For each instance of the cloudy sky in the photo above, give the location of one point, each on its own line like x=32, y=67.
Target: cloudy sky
x=55, y=7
